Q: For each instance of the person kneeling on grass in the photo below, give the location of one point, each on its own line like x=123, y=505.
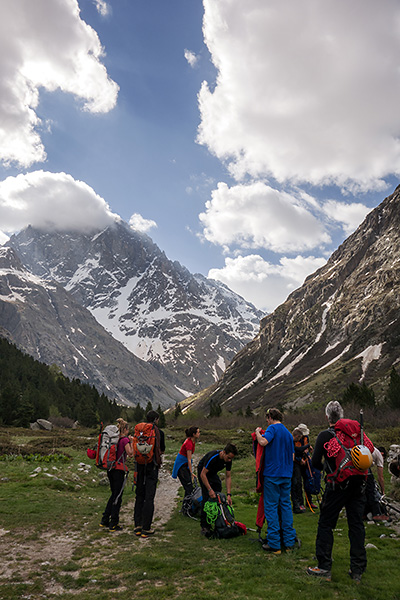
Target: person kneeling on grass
x=210, y=483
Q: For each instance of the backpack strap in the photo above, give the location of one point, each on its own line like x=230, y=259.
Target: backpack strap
x=215, y=455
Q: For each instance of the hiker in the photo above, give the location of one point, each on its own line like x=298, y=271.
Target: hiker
x=278, y=471
x=183, y=467
x=147, y=477
x=297, y=477
x=372, y=499
x=208, y=469
x=117, y=478
x=348, y=493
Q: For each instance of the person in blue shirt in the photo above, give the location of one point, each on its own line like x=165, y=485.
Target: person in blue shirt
x=278, y=470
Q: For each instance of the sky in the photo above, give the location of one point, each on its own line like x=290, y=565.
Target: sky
x=247, y=139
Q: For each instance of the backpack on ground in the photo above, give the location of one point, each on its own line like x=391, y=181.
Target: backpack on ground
x=144, y=441
x=347, y=435
x=106, y=453
x=221, y=519
x=191, y=504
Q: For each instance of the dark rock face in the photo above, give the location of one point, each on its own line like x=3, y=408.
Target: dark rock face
x=187, y=326
x=341, y=326
x=45, y=321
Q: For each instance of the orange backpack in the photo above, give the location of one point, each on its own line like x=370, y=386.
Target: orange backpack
x=144, y=441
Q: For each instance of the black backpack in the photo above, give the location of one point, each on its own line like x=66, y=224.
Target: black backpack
x=222, y=522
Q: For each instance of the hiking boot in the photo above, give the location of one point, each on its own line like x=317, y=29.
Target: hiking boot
x=268, y=548
x=146, y=534
x=137, y=531
x=313, y=506
x=104, y=525
x=317, y=572
x=299, y=510
x=380, y=518
x=355, y=576
x=115, y=528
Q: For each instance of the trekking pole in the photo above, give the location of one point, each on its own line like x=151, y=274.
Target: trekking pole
x=362, y=426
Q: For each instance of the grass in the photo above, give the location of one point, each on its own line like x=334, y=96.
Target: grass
x=42, y=512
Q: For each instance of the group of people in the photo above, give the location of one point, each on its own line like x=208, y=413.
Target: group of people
x=281, y=475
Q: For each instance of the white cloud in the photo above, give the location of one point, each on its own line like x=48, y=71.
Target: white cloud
x=258, y=216
x=102, y=7
x=51, y=201
x=138, y=223
x=349, y=215
x=307, y=90
x=191, y=57
x=264, y=284
x=45, y=44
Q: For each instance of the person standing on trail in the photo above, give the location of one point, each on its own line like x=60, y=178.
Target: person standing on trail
x=208, y=469
x=146, y=481
x=278, y=471
x=183, y=468
x=116, y=477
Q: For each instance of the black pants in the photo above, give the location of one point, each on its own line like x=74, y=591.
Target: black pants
x=146, y=486
x=297, y=486
x=216, y=485
x=372, y=504
x=185, y=479
x=111, y=514
x=352, y=498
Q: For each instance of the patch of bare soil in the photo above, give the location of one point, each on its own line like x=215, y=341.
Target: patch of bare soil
x=21, y=556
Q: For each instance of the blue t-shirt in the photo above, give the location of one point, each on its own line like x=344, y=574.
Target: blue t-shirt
x=278, y=461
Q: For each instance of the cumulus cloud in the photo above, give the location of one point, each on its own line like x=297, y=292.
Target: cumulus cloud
x=306, y=91
x=191, y=57
x=45, y=44
x=264, y=284
x=348, y=215
x=54, y=201
x=258, y=216
x=139, y=223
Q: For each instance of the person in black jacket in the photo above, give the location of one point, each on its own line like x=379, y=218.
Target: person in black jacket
x=349, y=494
x=210, y=483
x=146, y=483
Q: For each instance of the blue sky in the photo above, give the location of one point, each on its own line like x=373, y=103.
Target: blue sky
x=247, y=139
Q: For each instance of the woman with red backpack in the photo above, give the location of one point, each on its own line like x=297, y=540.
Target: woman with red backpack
x=183, y=468
x=117, y=477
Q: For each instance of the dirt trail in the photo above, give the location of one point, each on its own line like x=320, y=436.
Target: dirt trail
x=51, y=548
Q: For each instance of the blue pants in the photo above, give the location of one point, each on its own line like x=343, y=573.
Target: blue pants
x=277, y=499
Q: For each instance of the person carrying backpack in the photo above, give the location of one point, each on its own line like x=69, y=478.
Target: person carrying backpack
x=183, y=468
x=148, y=447
x=345, y=488
x=117, y=478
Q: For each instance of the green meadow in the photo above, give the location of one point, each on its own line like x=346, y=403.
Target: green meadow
x=52, y=546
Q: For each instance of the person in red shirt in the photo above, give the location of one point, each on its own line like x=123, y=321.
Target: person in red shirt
x=183, y=468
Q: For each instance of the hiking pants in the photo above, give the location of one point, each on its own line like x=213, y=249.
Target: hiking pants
x=146, y=486
x=297, y=486
x=216, y=485
x=111, y=514
x=352, y=498
x=185, y=479
x=277, y=496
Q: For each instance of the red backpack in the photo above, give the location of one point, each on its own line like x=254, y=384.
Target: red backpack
x=144, y=441
x=106, y=454
x=347, y=434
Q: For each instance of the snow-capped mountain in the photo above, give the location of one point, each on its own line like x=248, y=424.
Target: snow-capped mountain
x=42, y=319
x=342, y=326
x=187, y=326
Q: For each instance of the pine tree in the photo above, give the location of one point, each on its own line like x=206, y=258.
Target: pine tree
x=393, y=392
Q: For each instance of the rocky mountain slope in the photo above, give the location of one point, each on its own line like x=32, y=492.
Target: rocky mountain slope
x=44, y=320
x=341, y=326
x=185, y=325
